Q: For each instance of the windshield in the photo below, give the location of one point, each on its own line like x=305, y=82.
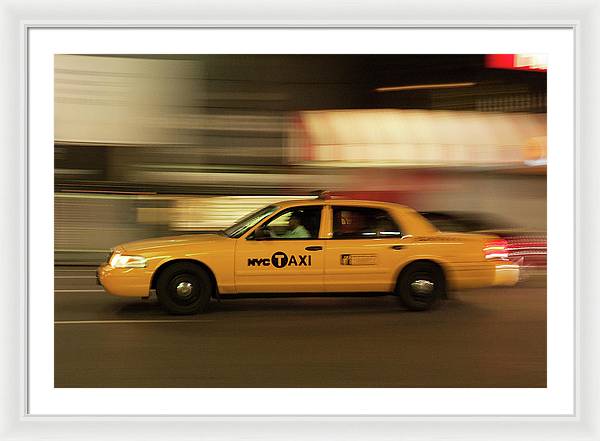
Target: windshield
x=247, y=222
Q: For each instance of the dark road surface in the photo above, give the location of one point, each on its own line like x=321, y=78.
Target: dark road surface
x=483, y=338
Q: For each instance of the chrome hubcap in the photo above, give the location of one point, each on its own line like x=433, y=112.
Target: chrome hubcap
x=184, y=289
x=422, y=286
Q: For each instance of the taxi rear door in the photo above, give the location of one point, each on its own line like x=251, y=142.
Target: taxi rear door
x=364, y=250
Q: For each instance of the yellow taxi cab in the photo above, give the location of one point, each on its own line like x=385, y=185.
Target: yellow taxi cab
x=310, y=246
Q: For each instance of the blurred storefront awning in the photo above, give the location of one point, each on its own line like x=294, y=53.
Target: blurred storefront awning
x=430, y=138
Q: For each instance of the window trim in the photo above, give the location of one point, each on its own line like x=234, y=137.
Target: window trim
x=358, y=208
x=248, y=215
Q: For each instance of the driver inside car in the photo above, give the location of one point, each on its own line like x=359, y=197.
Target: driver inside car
x=295, y=230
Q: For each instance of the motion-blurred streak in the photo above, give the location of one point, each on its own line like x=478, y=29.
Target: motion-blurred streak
x=416, y=138
x=148, y=145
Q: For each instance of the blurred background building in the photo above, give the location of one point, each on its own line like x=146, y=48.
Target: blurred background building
x=164, y=144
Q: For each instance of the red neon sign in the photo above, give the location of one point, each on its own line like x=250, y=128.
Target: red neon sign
x=531, y=62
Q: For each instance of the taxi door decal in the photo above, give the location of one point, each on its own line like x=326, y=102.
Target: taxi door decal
x=279, y=259
x=358, y=259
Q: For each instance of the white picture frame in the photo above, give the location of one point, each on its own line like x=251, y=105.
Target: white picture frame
x=17, y=18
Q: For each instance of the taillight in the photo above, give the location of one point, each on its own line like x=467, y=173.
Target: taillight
x=496, y=249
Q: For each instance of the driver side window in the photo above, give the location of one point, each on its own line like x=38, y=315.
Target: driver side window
x=295, y=223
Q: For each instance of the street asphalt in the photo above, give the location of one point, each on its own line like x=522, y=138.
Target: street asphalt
x=482, y=338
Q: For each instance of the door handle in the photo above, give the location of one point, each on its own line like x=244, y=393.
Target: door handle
x=314, y=248
x=397, y=247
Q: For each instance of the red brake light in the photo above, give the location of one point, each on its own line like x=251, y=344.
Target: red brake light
x=496, y=249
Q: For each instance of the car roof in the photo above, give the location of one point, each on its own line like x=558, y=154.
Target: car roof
x=340, y=201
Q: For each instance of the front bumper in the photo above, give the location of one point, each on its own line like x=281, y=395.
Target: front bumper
x=124, y=282
x=506, y=274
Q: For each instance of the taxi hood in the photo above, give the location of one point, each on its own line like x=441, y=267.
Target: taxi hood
x=162, y=243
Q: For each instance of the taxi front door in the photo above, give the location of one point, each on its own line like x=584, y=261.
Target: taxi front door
x=276, y=265
x=279, y=266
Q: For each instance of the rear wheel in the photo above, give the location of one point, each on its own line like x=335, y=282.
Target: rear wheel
x=421, y=286
x=184, y=288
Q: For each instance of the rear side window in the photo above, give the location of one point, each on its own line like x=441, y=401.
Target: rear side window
x=363, y=223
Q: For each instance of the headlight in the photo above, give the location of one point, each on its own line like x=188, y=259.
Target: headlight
x=120, y=261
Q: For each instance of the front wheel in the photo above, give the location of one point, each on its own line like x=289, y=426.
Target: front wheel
x=421, y=286
x=184, y=288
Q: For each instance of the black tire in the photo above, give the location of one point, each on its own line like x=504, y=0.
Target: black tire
x=418, y=298
x=194, y=293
